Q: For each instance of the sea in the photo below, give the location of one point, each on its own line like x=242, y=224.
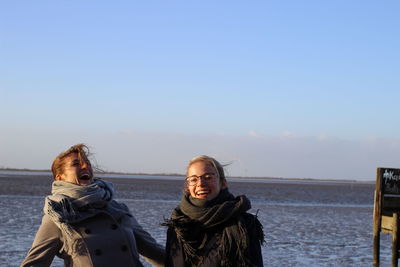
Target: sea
x=306, y=222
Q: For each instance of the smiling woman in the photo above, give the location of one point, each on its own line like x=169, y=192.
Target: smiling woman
x=211, y=227
x=204, y=181
x=73, y=166
x=83, y=225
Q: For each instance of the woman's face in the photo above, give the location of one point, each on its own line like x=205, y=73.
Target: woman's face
x=76, y=171
x=203, y=181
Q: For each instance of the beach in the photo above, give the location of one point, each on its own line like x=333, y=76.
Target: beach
x=305, y=223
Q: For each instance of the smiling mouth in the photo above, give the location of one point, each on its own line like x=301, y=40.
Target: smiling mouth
x=202, y=193
x=84, y=177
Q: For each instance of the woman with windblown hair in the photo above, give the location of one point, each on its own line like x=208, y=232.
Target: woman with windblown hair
x=211, y=227
x=83, y=225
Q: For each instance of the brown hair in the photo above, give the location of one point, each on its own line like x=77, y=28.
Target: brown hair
x=58, y=164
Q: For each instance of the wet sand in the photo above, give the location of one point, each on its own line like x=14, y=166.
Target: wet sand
x=275, y=192
x=317, y=224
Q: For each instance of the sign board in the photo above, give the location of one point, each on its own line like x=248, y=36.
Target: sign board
x=390, y=181
x=386, y=211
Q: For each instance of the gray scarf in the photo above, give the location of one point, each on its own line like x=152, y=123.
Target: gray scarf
x=71, y=203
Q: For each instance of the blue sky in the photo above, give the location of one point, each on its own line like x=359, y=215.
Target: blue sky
x=278, y=88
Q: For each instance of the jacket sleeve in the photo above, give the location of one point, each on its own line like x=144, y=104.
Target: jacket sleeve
x=46, y=245
x=255, y=241
x=255, y=250
x=147, y=246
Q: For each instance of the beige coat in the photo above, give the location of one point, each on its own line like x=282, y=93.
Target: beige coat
x=102, y=241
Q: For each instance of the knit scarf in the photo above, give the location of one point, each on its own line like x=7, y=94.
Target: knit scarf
x=196, y=222
x=71, y=203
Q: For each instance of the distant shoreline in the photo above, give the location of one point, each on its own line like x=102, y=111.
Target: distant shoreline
x=179, y=174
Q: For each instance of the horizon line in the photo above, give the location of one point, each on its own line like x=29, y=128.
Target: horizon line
x=179, y=174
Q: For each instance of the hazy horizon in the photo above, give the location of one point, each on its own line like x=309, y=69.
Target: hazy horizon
x=118, y=174
x=308, y=157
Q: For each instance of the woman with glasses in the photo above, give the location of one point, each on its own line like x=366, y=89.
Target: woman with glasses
x=210, y=227
x=83, y=225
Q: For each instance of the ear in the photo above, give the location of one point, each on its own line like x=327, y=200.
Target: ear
x=224, y=183
x=186, y=189
x=58, y=177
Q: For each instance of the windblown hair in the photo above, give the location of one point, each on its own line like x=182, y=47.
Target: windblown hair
x=58, y=164
x=203, y=158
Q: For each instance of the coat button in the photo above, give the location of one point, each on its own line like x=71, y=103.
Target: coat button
x=124, y=247
x=87, y=231
x=97, y=252
x=114, y=226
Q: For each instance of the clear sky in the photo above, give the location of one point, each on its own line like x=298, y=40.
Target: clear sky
x=278, y=88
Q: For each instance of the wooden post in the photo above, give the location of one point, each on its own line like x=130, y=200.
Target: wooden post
x=395, y=252
x=377, y=219
x=376, y=234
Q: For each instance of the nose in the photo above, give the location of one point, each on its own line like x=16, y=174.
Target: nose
x=201, y=182
x=84, y=165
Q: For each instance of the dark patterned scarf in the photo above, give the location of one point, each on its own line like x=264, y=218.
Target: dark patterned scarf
x=196, y=221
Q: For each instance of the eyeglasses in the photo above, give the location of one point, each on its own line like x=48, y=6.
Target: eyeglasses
x=194, y=179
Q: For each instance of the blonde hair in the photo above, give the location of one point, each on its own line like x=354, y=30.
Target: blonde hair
x=203, y=158
x=57, y=168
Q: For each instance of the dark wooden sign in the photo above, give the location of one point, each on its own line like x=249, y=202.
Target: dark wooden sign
x=387, y=211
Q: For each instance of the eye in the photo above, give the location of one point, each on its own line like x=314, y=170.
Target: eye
x=193, y=180
x=208, y=177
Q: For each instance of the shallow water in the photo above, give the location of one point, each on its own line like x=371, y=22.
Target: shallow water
x=304, y=225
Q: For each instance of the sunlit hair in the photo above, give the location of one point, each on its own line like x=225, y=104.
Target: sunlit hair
x=210, y=160
x=58, y=164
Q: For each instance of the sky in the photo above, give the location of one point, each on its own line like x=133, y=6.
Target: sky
x=292, y=89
